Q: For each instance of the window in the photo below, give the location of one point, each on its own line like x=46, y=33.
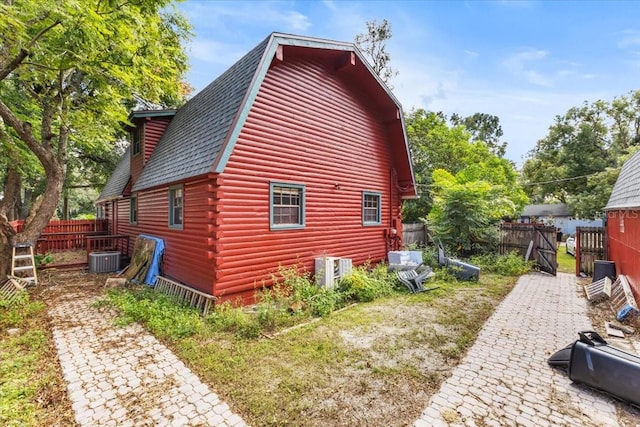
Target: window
x=286, y=205
x=133, y=210
x=371, y=208
x=135, y=140
x=175, y=207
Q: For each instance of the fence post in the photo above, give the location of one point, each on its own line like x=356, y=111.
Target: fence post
x=578, y=261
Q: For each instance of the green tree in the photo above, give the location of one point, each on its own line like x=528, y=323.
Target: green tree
x=68, y=73
x=579, y=159
x=483, y=127
x=469, y=205
x=373, y=43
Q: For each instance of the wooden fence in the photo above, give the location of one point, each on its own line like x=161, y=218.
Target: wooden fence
x=414, y=234
x=74, y=235
x=590, y=246
x=69, y=226
x=532, y=241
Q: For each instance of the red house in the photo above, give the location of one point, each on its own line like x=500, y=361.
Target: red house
x=297, y=151
x=623, y=223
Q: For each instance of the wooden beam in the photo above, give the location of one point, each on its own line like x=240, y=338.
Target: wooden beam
x=280, y=53
x=345, y=59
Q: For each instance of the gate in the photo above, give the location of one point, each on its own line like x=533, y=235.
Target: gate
x=590, y=246
x=532, y=241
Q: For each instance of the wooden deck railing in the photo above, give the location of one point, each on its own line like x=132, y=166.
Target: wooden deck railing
x=105, y=242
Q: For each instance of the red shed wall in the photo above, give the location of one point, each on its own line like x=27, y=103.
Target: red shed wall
x=186, y=250
x=624, y=245
x=305, y=127
x=152, y=130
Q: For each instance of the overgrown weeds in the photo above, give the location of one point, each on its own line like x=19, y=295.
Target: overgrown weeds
x=388, y=346
x=511, y=264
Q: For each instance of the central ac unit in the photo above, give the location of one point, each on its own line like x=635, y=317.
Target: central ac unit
x=330, y=269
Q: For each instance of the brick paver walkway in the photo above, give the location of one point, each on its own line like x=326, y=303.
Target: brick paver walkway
x=124, y=376
x=505, y=379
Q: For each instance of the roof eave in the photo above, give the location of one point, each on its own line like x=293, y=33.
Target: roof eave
x=623, y=206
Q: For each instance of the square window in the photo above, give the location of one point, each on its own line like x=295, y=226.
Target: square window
x=176, y=207
x=286, y=205
x=371, y=208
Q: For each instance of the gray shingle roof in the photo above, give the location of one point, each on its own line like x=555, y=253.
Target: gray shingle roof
x=555, y=209
x=196, y=134
x=118, y=180
x=626, y=191
x=201, y=135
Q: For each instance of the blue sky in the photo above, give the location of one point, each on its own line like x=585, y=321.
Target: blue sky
x=525, y=62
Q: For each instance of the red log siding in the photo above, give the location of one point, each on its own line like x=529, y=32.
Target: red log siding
x=624, y=246
x=137, y=160
x=305, y=127
x=186, y=250
x=152, y=130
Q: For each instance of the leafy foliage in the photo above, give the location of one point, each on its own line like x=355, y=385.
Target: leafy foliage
x=578, y=161
x=511, y=264
x=373, y=43
x=164, y=316
x=68, y=76
x=292, y=299
x=468, y=206
x=360, y=285
x=483, y=127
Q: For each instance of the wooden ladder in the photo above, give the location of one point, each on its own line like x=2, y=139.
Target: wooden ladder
x=23, y=264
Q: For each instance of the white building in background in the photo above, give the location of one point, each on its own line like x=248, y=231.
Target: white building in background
x=558, y=215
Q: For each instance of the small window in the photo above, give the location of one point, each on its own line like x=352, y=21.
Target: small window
x=100, y=212
x=622, y=222
x=135, y=140
x=286, y=206
x=133, y=210
x=371, y=208
x=176, y=207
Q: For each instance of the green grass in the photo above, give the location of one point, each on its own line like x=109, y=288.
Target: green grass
x=29, y=381
x=566, y=262
x=388, y=346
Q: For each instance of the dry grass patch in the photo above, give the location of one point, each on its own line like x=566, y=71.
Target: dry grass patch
x=375, y=363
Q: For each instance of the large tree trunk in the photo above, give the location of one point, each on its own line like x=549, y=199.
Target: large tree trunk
x=53, y=159
x=11, y=203
x=39, y=216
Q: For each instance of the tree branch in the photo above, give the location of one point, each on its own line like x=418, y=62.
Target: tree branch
x=24, y=52
x=23, y=129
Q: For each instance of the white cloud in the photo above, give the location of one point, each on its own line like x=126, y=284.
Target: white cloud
x=628, y=39
x=214, y=52
x=520, y=65
x=227, y=18
x=330, y=4
x=471, y=54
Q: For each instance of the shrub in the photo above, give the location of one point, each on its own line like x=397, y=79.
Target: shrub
x=511, y=264
x=359, y=285
x=165, y=316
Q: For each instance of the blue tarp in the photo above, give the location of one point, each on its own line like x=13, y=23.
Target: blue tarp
x=154, y=269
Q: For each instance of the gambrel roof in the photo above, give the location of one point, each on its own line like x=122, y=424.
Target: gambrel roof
x=626, y=191
x=202, y=134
